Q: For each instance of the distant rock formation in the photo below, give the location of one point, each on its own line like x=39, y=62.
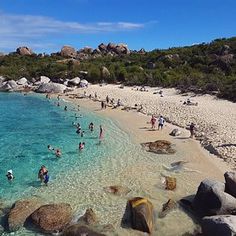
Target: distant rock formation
x=23, y=51
x=68, y=51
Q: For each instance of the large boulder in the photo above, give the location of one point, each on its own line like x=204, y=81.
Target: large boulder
x=23, y=81
x=20, y=212
x=105, y=73
x=52, y=218
x=74, y=82
x=212, y=200
x=102, y=48
x=23, y=51
x=51, y=88
x=224, y=225
x=68, y=51
x=159, y=147
x=139, y=213
x=9, y=85
x=83, y=83
x=80, y=230
x=122, y=49
x=230, y=183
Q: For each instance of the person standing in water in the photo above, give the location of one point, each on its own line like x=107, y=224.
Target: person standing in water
x=91, y=126
x=101, y=133
x=58, y=153
x=42, y=172
x=10, y=175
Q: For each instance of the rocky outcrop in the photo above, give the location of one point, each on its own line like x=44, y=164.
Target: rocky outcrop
x=68, y=51
x=230, y=183
x=102, y=48
x=52, y=218
x=105, y=73
x=51, y=88
x=20, y=212
x=74, y=82
x=80, y=230
x=175, y=132
x=23, y=51
x=139, y=214
x=9, y=85
x=159, y=147
x=224, y=225
x=212, y=200
x=117, y=190
x=23, y=81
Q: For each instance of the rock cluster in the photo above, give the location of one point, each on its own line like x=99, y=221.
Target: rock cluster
x=215, y=203
x=24, y=51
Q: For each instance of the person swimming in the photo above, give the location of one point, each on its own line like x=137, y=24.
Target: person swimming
x=50, y=148
x=81, y=146
x=82, y=134
x=10, y=175
x=58, y=153
x=91, y=126
x=65, y=108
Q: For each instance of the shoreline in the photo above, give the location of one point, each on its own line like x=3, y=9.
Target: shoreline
x=134, y=123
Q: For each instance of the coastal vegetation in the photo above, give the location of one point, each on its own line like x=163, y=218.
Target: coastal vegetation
x=201, y=68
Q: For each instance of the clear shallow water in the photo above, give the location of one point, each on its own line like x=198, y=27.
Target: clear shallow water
x=29, y=123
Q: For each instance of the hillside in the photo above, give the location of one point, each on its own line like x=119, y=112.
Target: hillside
x=202, y=68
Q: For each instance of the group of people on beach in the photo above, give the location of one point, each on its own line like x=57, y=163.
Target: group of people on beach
x=161, y=122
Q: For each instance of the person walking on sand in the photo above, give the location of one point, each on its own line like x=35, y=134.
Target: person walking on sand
x=191, y=129
x=153, y=122
x=161, y=122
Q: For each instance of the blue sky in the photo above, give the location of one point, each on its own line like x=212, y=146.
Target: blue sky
x=47, y=25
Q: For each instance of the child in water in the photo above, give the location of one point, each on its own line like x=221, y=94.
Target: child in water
x=10, y=175
x=58, y=153
x=81, y=146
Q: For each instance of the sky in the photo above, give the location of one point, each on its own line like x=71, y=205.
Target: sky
x=47, y=25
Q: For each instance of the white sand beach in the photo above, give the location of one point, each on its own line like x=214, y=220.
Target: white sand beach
x=214, y=118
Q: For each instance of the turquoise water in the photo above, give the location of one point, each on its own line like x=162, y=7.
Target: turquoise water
x=28, y=124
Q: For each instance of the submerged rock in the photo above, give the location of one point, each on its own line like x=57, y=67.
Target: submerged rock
x=52, y=218
x=19, y=213
x=80, y=230
x=139, y=214
x=170, y=183
x=224, y=225
x=159, y=147
x=167, y=207
x=117, y=190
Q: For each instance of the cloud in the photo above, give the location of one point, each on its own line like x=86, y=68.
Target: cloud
x=28, y=28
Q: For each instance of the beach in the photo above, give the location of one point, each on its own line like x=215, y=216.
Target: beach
x=214, y=118
x=119, y=160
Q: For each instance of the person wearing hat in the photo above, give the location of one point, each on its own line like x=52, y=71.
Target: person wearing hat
x=10, y=175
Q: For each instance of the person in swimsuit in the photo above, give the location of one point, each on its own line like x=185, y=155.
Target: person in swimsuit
x=81, y=146
x=58, y=153
x=91, y=126
x=153, y=122
x=42, y=172
x=10, y=175
x=101, y=133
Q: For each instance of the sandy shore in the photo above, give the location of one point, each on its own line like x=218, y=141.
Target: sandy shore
x=146, y=173
x=214, y=118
